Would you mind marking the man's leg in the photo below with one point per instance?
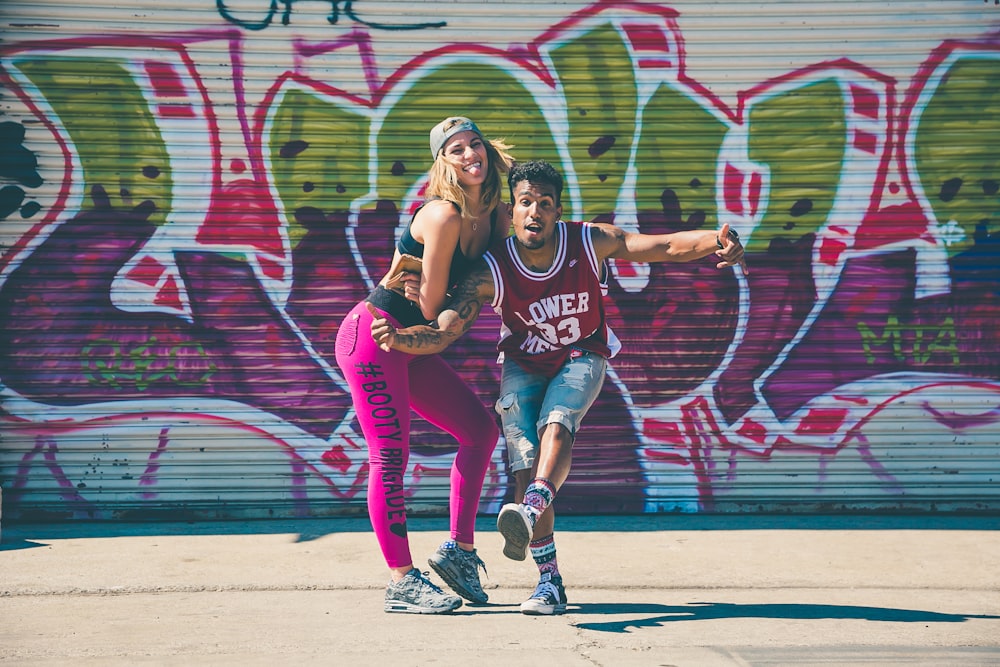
(567, 398)
(521, 396)
(531, 523)
(550, 470)
(548, 474)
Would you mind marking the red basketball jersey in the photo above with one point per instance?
(546, 316)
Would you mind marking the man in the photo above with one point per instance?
(547, 282)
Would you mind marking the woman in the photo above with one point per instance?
(463, 215)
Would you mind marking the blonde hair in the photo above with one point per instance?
(444, 181)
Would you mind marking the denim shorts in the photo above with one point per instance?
(529, 402)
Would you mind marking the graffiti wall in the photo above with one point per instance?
(192, 196)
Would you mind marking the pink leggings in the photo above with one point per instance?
(384, 387)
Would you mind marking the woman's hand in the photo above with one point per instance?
(411, 286)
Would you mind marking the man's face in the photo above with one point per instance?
(535, 213)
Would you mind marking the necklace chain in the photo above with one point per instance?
(475, 221)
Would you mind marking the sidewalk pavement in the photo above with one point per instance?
(656, 590)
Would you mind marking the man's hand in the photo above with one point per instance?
(731, 252)
(383, 332)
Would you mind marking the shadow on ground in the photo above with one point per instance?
(654, 615)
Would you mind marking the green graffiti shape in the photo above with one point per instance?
(957, 165)
(318, 152)
(111, 127)
(499, 104)
(678, 152)
(925, 341)
(597, 79)
(801, 136)
(109, 363)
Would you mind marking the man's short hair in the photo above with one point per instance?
(535, 171)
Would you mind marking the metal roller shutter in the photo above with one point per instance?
(193, 194)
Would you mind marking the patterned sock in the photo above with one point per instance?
(543, 551)
(538, 496)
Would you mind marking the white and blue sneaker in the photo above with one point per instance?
(549, 597)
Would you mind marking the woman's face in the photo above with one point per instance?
(466, 152)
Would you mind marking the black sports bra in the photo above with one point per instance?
(406, 312)
(460, 264)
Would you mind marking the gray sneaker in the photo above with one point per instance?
(516, 527)
(415, 594)
(460, 570)
(549, 597)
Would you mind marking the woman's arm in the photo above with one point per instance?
(438, 226)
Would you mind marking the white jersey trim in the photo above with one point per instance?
(557, 260)
(588, 248)
(498, 286)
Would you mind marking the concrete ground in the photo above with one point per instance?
(649, 590)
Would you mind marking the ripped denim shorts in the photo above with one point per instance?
(529, 402)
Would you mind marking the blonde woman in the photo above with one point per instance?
(463, 216)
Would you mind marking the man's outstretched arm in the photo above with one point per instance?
(462, 310)
(614, 242)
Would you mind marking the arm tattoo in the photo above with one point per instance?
(456, 319)
(417, 339)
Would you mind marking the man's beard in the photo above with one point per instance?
(539, 244)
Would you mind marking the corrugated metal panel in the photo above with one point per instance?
(194, 195)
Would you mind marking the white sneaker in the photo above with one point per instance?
(549, 597)
(515, 524)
